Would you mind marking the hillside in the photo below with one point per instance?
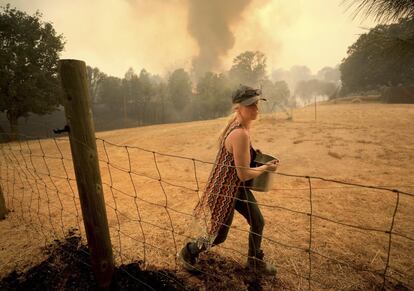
(369, 143)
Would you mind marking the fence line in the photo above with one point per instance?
(20, 172)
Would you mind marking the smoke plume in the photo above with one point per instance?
(210, 23)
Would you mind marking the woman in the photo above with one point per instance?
(227, 190)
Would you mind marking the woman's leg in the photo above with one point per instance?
(197, 246)
(247, 206)
(224, 229)
(191, 250)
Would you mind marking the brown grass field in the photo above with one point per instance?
(369, 144)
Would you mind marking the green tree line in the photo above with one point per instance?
(384, 56)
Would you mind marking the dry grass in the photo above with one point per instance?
(371, 144)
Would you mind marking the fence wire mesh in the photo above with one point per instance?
(320, 233)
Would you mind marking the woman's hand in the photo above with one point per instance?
(272, 165)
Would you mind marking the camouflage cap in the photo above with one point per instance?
(246, 95)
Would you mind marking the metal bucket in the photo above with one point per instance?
(262, 182)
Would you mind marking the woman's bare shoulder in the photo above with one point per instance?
(239, 134)
(238, 138)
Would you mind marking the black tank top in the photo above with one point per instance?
(253, 164)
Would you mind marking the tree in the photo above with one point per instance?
(111, 93)
(292, 76)
(146, 87)
(161, 98)
(179, 89)
(130, 86)
(213, 96)
(329, 74)
(276, 93)
(95, 77)
(128, 91)
(384, 10)
(249, 68)
(146, 91)
(306, 90)
(376, 59)
(29, 53)
(393, 40)
(300, 73)
(280, 74)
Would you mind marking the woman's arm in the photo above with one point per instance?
(238, 143)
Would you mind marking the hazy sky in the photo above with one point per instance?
(158, 35)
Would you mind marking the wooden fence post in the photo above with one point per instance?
(3, 209)
(85, 160)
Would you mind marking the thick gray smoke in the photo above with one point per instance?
(209, 23)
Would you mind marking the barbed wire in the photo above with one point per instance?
(22, 178)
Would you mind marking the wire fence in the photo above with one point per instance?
(325, 232)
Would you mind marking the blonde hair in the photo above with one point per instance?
(230, 120)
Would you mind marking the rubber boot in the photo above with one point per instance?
(257, 265)
(188, 258)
